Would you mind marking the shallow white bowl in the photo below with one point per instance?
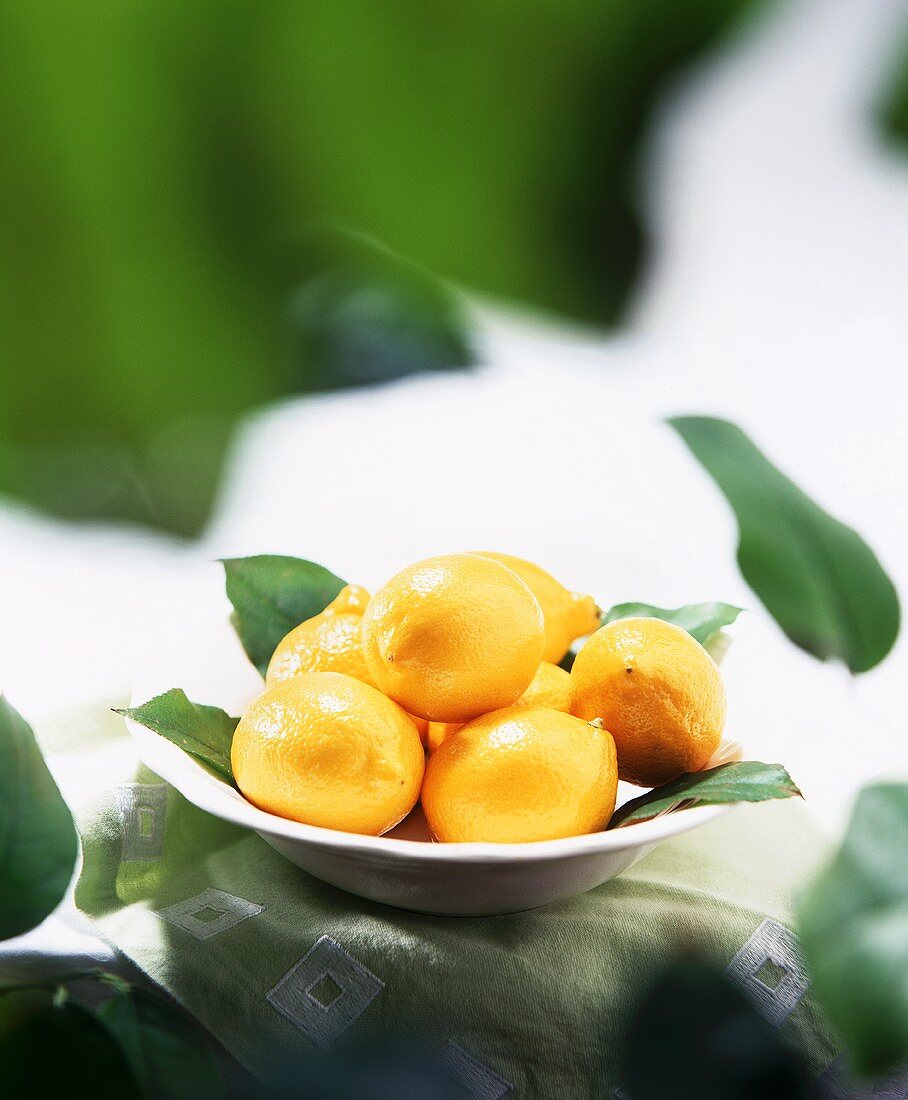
(404, 867)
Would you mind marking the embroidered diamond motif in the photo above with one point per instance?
(478, 1081)
(769, 974)
(210, 913)
(769, 970)
(325, 992)
(143, 811)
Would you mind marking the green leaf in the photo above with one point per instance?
(704, 621)
(63, 1050)
(165, 1049)
(738, 781)
(817, 577)
(697, 1037)
(701, 620)
(854, 931)
(204, 732)
(271, 594)
(366, 315)
(567, 661)
(38, 843)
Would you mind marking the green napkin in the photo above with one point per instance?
(532, 1004)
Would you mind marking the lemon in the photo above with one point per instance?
(438, 731)
(521, 774)
(328, 642)
(568, 615)
(550, 687)
(326, 749)
(453, 637)
(659, 693)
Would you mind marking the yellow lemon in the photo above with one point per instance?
(422, 728)
(438, 731)
(352, 599)
(452, 637)
(568, 615)
(328, 642)
(550, 687)
(658, 691)
(329, 750)
(521, 774)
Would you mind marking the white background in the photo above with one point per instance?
(777, 298)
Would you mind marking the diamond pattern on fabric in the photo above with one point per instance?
(210, 913)
(769, 970)
(299, 995)
(143, 811)
(479, 1082)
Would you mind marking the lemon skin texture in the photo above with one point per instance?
(438, 731)
(328, 642)
(328, 750)
(568, 615)
(550, 687)
(453, 637)
(659, 693)
(521, 774)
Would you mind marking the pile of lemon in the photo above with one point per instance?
(445, 687)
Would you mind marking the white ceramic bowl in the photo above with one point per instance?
(404, 867)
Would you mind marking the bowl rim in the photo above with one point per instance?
(208, 792)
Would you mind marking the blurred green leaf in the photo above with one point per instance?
(854, 931)
(63, 1051)
(817, 577)
(512, 163)
(38, 843)
(367, 316)
(701, 620)
(165, 1049)
(738, 781)
(893, 112)
(204, 732)
(393, 1067)
(163, 161)
(271, 594)
(17, 1004)
(696, 1037)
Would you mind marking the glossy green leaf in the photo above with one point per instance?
(166, 1051)
(204, 732)
(738, 781)
(38, 844)
(271, 594)
(702, 620)
(816, 576)
(367, 315)
(854, 931)
(63, 1051)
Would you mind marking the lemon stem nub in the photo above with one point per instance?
(598, 723)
